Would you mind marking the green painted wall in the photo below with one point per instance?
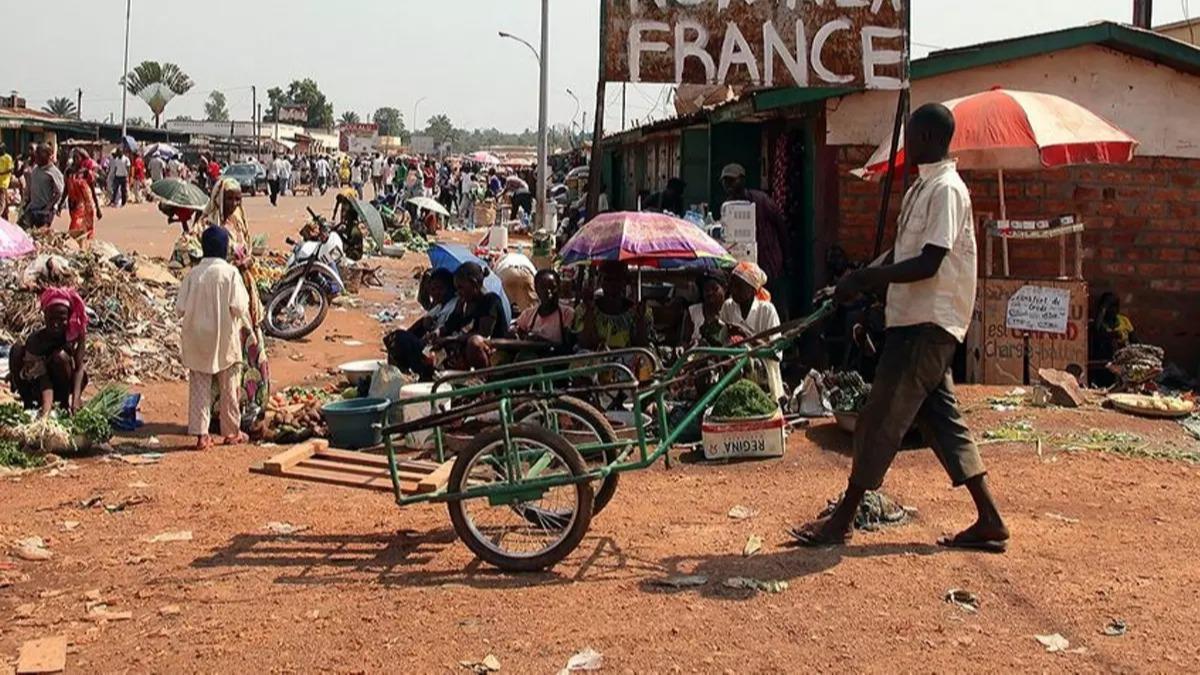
(729, 143)
(693, 165)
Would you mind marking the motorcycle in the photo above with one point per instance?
(298, 303)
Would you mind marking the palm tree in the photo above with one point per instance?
(156, 84)
(349, 117)
(61, 106)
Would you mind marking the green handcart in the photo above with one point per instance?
(522, 493)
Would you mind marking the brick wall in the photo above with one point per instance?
(1142, 241)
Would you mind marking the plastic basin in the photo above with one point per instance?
(350, 422)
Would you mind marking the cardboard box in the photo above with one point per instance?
(735, 439)
(739, 222)
(747, 251)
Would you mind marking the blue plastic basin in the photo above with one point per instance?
(350, 422)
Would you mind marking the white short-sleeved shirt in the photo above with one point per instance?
(937, 211)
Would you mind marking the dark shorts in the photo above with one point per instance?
(913, 385)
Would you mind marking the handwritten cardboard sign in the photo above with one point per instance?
(1039, 309)
(769, 43)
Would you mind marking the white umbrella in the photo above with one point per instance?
(429, 204)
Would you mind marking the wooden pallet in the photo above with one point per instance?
(314, 461)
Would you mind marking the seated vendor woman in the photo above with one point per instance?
(611, 321)
(476, 318)
(749, 312)
(48, 368)
(406, 347)
(703, 326)
(550, 320)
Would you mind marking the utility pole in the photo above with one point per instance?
(258, 130)
(125, 72)
(543, 101)
(79, 104)
(254, 117)
(623, 85)
(1143, 13)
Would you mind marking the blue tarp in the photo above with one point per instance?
(452, 256)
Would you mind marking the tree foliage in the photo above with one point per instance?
(349, 117)
(136, 122)
(147, 75)
(303, 92)
(441, 128)
(215, 109)
(390, 121)
(61, 106)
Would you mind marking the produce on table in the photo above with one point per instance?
(847, 391)
(744, 399)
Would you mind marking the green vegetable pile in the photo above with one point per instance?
(847, 391)
(61, 432)
(12, 455)
(744, 399)
(12, 415)
(413, 241)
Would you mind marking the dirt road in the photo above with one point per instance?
(366, 587)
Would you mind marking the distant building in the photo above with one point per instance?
(1185, 31)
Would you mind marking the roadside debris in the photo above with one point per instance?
(740, 512)
(588, 659)
(1115, 628)
(1053, 642)
(284, 528)
(753, 545)
(1058, 516)
(766, 586)
(182, 535)
(963, 599)
(877, 510)
(32, 549)
(489, 664)
(1063, 388)
(681, 581)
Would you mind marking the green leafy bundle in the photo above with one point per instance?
(744, 399)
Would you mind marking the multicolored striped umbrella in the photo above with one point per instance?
(643, 239)
(14, 242)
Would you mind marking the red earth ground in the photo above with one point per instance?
(368, 587)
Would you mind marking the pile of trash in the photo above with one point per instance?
(133, 333)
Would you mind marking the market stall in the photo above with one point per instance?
(1023, 323)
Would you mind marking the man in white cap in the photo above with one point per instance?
(771, 229)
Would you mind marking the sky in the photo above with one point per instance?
(444, 54)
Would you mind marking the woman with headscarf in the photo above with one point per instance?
(749, 312)
(214, 307)
(80, 196)
(225, 210)
(48, 368)
(702, 325)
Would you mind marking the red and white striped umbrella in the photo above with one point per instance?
(1004, 129)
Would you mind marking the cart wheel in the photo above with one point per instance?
(513, 531)
(575, 416)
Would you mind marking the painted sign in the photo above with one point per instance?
(996, 349)
(769, 43)
(293, 112)
(358, 139)
(1038, 308)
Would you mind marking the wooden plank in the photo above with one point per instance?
(377, 483)
(47, 655)
(358, 469)
(280, 462)
(436, 480)
(364, 459)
